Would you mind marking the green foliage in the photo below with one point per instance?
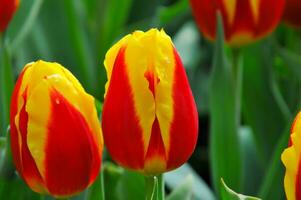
(246, 99)
(225, 151)
(228, 194)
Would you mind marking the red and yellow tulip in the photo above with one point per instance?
(56, 137)
(7, 10)
(291, 158)
(149, 119)
(245, 21)
(292, 14)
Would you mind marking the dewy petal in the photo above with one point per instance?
(56, 130)
(56, 118)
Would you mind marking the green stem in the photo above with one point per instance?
(102, 188)
(150, 187)
(160, 187)
(2, 142)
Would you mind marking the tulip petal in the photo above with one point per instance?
(291, 159)
(184, 127)
(122, 132)
(16, 140)
(255, 8)
(19, 119)
(62, 141)
(244, 21)
(230, 8)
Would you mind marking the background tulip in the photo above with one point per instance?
(149, 118)
(292, 14)
(55, 134)
(244, 21)
(291, 158)
(7, 9)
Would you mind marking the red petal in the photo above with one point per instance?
(72, 158)
(121, 129)
(184, 127)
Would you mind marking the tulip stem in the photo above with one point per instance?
(161, 188)
(150, 187)
(102, 188)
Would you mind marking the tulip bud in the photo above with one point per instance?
(292, 14)
(245, 21)
(149, 119)
(7, 9)
(291, 158)
(56, 138)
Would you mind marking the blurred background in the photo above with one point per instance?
(77, 34)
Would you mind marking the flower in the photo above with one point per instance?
(291, 14)
(244, 21)
(291, 158)
(149, 119)
(7, 10)
(56, 137)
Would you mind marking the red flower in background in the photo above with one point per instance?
(56, 138)
(7, 10)
(245, 21)
(149, 118)
(292, 13)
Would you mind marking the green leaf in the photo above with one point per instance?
(292, 60)
(263, 106)
(168, 14)
(96, 191)
(131, 186)
(23, 21)
(200, 189)
(6, 86)
(228, 194)
(225, 152)
(184, 191)
(16, 189)
(112, 176)
(252, 169)
(121, 184)
(98, 106)
(273, 180)
(83, 52)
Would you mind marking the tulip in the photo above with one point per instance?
(56, 138)
(245, 21)
(149, 119)
(7, 9)
(291, 158)
(292, 14)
